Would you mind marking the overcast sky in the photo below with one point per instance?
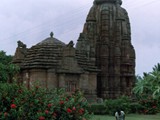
(31, 21)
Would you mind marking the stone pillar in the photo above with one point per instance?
(61, 80)
(92, 82)
(84, 82)
(51, 79)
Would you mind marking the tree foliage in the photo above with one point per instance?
(7, 69)
(149, 84)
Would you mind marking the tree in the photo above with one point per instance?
(149, 84)
(7, 69)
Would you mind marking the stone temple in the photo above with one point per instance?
(102, 64)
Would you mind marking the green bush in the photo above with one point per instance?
(8, 70)
(19, 103)
(112, 105)
(135, 107)
(98, 109)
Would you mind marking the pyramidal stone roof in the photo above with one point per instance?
(46, 54)
(51, 40)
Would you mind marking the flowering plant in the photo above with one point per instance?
(20, 103)
(150, 105)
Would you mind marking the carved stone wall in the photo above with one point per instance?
(107, 30)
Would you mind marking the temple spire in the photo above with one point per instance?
(106, 42)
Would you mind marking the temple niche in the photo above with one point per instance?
(107, 30)
(102, 64)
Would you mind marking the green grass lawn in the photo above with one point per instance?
(128, 117)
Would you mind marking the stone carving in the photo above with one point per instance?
(20, 51)
(21, 44)
(70, 44)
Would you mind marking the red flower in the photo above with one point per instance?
(49, 105)
(74, 108)
(81, 111)
(46, 111)
(67, 99)
(41, 118)
(13, 106)
(61, 102)
(69, 110)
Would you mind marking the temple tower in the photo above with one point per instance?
(106, 40)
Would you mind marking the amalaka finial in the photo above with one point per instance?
(51, 34)
(119, 2)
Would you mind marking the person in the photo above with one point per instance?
(120, 115)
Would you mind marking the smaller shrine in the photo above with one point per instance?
(53, 64)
